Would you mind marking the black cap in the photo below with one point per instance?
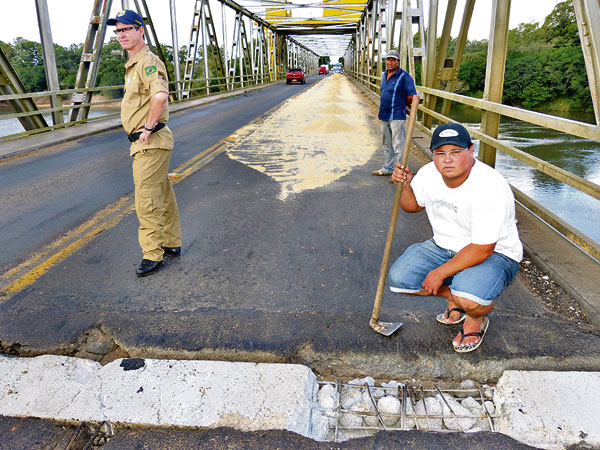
(450, 133)
(127, 16)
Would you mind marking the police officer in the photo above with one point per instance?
(144, 115)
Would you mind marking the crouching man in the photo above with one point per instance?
(475, 250)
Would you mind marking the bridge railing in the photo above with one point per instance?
(193, 89)
(574, 128)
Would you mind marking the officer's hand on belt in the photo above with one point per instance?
(145, 135)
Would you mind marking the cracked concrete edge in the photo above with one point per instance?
(205, 394)
(442, 367)
(349, 363)
(552, 410)
(19, 147)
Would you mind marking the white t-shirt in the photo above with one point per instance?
(479, 211)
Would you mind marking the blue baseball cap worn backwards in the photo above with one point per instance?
(127, 16)
(450, 133)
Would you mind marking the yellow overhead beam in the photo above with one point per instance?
(273, 13)
(335, 12)
(343, 10)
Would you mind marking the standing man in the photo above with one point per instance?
(144, 116)
(475, 250)
(397, 89)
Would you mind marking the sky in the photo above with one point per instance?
(69, 19)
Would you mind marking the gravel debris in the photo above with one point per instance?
(553, 297)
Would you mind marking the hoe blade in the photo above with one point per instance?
(385, 328)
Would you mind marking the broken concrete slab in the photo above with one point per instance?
(551, 410)
(244, 396)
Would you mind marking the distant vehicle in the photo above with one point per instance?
(323, 70)
(295, 75)
(337, 69)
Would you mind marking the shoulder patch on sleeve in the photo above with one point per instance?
(149, 70)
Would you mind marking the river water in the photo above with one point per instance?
(577, 155)
(13, 126)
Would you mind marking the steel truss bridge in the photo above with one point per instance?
(255, 43)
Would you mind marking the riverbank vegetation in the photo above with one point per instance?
(545, 69)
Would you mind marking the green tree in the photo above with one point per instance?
(111, 69)
(560, 27)
(26, 58)
(527, 37)
(476, 46)
(324, 60)
(26, 53)
(472, 71)
(525, 83)
(67, 64)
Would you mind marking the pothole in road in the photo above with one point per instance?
(98, 345)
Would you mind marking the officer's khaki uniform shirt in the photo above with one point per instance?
(145, 75)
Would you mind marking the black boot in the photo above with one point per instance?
(173, 252)
(147, 267)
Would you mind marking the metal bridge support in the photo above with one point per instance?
(494, 76)
(375, 35)
(281, 45)
(459, 52)
(405, 34)
(241, 58)
(151, 36)
(176, 66)
(383, 32)
(10, 84)
(210, 47)
(49, 59)
(429, 60)
(588, 22)
(190, 59)
(260, 54)
(92, 49)
(202, 25)
(409, 17)
(90, 58)
(446, 68)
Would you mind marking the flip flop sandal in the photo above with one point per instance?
(469, 348)
(443, 317)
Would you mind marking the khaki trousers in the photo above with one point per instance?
(155, 203)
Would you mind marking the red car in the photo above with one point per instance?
(295, 75)
(323, 70)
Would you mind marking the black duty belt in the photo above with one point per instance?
(135, 136)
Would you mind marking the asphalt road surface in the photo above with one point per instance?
(283, 233)
(46, 194)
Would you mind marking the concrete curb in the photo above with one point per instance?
(546, 409)
(23, 146)
(150, 392)
(551, 410)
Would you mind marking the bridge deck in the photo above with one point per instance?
(284, 229)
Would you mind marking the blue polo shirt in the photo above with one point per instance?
(392, 102)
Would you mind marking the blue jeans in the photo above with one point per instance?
(394, 133)
(481, 283)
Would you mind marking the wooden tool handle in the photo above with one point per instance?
(395, 209)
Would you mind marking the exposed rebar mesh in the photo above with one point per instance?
(359, 408)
